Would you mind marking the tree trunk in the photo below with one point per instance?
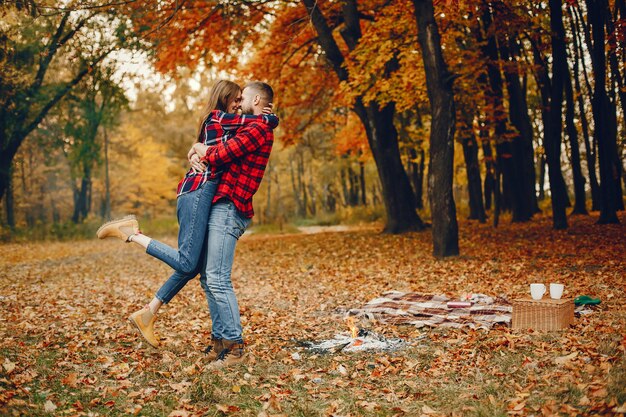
(490, 169)
(522, 145)
(440, 171)
(616, 76)
(604, 116)
(589, 151)
(295, 185)
(107, 182)
(302, 184)
(552, 138)
(497, 196)
(508, 154)
(378, 123)
(416, 170)
(362, 183)
(9, 203)
(572, 134)
(344, 188)
(353, 191)
(542, 177)
(267, 212)
(470, 152)
(7, 154)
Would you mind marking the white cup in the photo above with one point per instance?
(537, 291)
(556, 291)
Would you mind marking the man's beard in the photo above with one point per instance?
(247, 110)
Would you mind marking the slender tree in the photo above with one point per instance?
(553, 132)
(440, 169)
(605, 124)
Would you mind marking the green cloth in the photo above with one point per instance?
(586, 300)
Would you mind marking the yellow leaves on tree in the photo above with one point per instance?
(143, 179)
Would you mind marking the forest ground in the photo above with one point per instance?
(66, 348)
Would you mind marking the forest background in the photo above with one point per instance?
(100, 103)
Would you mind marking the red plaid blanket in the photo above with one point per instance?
(420, 310)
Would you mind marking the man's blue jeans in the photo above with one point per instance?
(226, 225)
(193, 210)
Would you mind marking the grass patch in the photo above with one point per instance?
(274, 229)
(617, 382)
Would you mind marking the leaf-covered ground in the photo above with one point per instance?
(66, 348)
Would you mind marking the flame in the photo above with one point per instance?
(353, 329)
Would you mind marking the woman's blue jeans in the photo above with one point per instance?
(193, 210)
(226, 225)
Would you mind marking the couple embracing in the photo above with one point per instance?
(214, 208)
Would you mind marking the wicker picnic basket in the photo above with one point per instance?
(543, 314)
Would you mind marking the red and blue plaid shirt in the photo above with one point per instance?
(246, 154)
(217, 128)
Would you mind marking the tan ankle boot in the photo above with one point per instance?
(121, 228)
(214, 348)
(143, 320)
(233, 353)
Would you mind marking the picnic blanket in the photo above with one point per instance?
(421, 310)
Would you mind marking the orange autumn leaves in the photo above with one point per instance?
(65, 347)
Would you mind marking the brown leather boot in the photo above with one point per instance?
(233, 353)
(143, 320)
(121, 228)
(214, 348)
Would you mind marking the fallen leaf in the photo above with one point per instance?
(179, 413)
(227, 409)
(49, 407)
(8, 366)
(70, 380)
(562, 360)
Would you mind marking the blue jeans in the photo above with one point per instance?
(226, 225)
(193, 211)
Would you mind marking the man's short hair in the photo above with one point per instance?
(262, 89)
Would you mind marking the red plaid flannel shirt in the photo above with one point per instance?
(247, 154)
(217, 128)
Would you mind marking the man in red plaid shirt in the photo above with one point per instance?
(243, 159)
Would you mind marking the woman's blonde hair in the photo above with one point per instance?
(222, 93)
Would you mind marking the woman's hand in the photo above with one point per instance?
(196, 164)
(268, 109)
(199, 149)
(195, 155)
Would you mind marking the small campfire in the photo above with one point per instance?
(356, 340)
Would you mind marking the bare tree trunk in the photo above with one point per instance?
(490, 169)
(542, 177)
(362, 182)
(439, 86)
(300, 208)
(9, 203)
(604, 116)
(552, 137)
(470, 152)
(107, 181)
(524, 199)
(268, 202)
(572, 133)
(589, 151)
